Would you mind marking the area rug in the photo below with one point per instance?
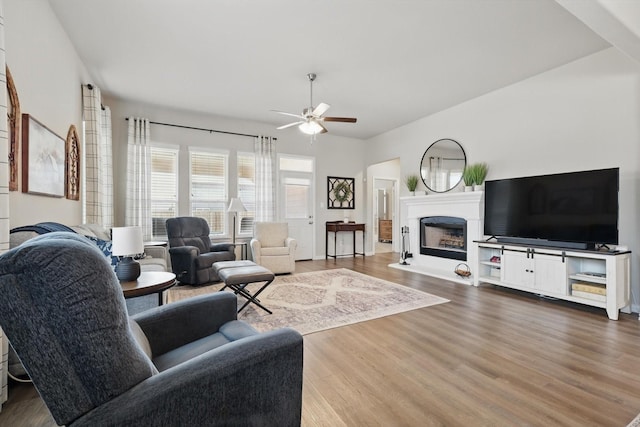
(316, 301)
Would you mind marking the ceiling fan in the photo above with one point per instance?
(310, 121)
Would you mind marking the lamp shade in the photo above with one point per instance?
(126, 241)
(310, 127)
(236, 205)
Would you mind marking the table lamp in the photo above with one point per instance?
(126, 243)
(235, 206)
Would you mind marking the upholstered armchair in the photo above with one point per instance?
(272, 248)
(186, 363)
(192, 253)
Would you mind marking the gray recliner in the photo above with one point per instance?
(190, 362)
(191, 250)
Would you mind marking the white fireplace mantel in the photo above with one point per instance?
(467, 205)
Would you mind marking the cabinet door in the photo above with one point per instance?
(516, 269)
(550, 274)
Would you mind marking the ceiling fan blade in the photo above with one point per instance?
(339, 119)
(324, 129)
(288, 114)
(321, 109)
(290, 125)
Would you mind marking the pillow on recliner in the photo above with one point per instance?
(104, 246)
(65, 315)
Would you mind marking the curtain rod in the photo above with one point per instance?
(202, 129)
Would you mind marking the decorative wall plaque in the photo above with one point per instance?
(13, 119)
(340, 193)
(72, 164)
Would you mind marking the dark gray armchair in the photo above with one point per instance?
(192, 253)
(185, 363)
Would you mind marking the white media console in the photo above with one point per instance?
(596, 278)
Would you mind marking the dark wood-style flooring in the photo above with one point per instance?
(490, 357)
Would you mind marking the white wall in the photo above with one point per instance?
(335, 156)
(48, 76)
(584, 115)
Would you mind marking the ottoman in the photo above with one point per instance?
(236, 275)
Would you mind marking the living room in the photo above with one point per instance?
(580, 115)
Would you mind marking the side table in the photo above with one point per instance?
(149, 282)
(243, 249)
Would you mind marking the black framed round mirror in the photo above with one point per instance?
(442, 165)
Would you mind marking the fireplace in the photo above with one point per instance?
(466, 206)
(444, 237)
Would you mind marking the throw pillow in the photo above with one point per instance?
(105, 248)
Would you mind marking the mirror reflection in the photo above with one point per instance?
(442, 165)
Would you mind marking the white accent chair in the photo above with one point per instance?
(272, 247)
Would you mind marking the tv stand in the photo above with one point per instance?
(591, 277)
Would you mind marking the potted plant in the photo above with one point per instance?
(411, 182)
(479, 175)
(467, 177)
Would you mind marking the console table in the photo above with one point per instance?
(337, 226)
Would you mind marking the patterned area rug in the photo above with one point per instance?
(312, 302)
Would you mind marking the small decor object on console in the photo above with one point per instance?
(127, 242)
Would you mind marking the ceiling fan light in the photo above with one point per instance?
(310, 127)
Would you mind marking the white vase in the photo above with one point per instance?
(477, 187)
(413, 193)
(468, 188)
(346, 220)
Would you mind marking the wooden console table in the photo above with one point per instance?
(337, 226)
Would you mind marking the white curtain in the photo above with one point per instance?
(98, 189)
(265, 153)
(138, 205)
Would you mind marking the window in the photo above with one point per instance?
(164, 188)
(247, 191)
(209, 188)
(296, 164)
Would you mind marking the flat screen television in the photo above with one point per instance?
(575, 210)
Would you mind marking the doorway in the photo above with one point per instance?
(296, 198)
(383, 214)
(384, 206)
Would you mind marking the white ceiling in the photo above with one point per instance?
(387, 62)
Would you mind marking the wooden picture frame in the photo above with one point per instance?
(72, 164)
(340, 193)
(43, 159)
(13, 126)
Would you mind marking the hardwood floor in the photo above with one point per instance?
(490, 357)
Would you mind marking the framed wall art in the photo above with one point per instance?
(43, 159)
(340, 193)
(72, 164)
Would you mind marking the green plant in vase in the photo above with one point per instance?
(467, 177)
(411, 181)
(480, 171)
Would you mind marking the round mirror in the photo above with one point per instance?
(442, 165)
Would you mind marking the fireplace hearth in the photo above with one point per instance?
(444, 237)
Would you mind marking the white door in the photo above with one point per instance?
(296, 198)
(550, 274)
(516, 269)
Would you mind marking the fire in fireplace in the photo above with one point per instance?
(444, 236)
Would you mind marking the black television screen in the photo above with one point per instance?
(579, 207)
